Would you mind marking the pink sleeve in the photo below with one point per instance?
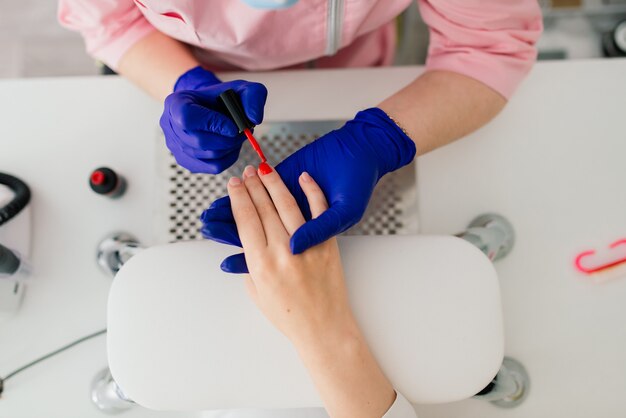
(109, 27)
(492, 41)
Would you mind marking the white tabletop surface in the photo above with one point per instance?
(553, 162)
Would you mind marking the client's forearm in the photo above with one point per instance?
(346, 374)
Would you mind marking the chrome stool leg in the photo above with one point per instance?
(115, 250)
(492, 234)
(510, 386)
(495, 237)
(107, 396)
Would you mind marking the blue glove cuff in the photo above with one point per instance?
(392, 142)
(196, 78)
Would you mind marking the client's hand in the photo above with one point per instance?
(305, 296)
(301, 295)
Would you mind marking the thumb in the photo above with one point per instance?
(333, 221)
(235, 264)
(222, 232)
(188, 111)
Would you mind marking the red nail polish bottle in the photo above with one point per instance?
(107, 182)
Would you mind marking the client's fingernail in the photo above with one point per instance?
(234, 181)
(305, 177)
(264, 168)
(249, 171)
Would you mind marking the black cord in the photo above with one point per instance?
(19, 202)
(47, 356)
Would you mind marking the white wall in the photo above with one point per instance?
(33, 44)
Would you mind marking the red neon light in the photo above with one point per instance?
(618, 243)
(602, 267)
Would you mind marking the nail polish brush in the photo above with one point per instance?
(231, 102)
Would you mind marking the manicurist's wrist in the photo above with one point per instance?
(387, 138)
(195, 78)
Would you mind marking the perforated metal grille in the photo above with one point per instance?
(392, 209)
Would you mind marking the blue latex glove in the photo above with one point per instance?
(346, 163)
(202, 139)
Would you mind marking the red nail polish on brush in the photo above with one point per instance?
(233, 105)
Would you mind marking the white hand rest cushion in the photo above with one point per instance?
(183, 335)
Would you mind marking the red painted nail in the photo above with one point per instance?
(264, 168)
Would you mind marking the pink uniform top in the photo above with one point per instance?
(489, 40)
